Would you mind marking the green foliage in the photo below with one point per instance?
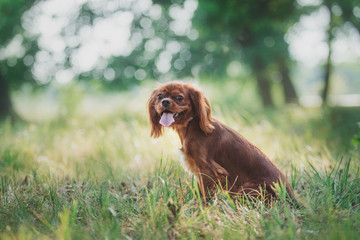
(14, 71)
(257, 29)
(239, 33)
(248, 31)
(10, 22)
(348, 13)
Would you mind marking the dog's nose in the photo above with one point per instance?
(165, 102)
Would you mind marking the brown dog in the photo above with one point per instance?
(215, 153)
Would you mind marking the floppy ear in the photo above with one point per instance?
(156, 127)
(202, 110)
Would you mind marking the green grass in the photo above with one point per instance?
(86, 175)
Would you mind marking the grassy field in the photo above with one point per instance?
(88, 169)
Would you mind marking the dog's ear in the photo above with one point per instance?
(156, 127)
(202, 110)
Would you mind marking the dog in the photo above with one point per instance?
(216, 154)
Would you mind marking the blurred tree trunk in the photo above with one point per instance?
(288, 86)
(328, 65)
(5, 101)
(264, 84)
(328, 69)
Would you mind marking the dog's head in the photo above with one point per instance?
(175, 104)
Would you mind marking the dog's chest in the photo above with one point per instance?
(189, 162)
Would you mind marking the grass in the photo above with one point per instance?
(85, 175)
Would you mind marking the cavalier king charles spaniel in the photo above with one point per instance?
(215, 153)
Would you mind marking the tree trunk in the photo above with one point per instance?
(264, 84)
(6, 108)
(328, 65)
(288, 87)
(328, 68)
(5, 101)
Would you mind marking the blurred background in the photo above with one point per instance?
(76, 157)
(270, 53)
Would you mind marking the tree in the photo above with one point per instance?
(330, 36)
(151, 40)
(250, 31)
(10, 25)
(340, 12)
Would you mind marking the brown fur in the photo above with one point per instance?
(215, 153)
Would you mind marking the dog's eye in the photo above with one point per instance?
(160, 96)
(180, 98)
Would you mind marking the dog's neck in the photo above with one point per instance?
(182, 130)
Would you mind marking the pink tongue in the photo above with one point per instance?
(167, 119)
